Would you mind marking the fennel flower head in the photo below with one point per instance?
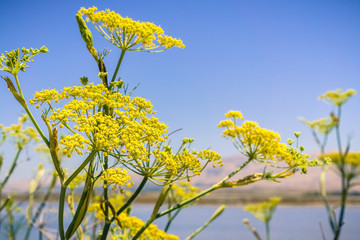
(130, 225)
(20, 134)
(182, 191)
(131, 134)
(323, 125)
(337, 97)
(128, 34)
(262, 144)
(12, 62)
(264, 211)
(351, 162)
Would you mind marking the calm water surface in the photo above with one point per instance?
(288, 223)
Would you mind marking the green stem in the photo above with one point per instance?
(187, 201)
(36, 125)
(345, 188)
(80, 168)
(18, 86)
(267, 227)
(11, 231)
(61, 212)
(118, 65)
(131, 199)
(325, 200)
(213, 217)
(210, 189)
(41, 207)
(106, 197)
(13, 165)
(147, 224)
(171, 219)
(83, 204)
(338, 133)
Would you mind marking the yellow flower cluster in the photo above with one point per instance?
(234, 114)
(337, 97)
(21, 134)
(323, 125)
(127, 131)
(117, 177)
(265, 210)
(295, 158)
(352, 158)
(182, 191)
(115, 200)
(253, 141)
(129, 126)
(128, 34)
(131, 225)
(74, 143)
(263, 144)
(211, 156)
(186, 161)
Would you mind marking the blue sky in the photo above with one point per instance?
(268, 59)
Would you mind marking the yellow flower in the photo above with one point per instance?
(234, 114)
(131, 225)
(263, 211)
(19, 133)
(323, 125)
(130, 128)
(337, 97)
(262, 144)
(117, 177)
(128, 34)
(182, 191)
(352, 159)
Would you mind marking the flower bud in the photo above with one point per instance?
(84, 80)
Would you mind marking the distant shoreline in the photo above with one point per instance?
(239, 199)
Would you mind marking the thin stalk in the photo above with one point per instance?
(42, 205)
(187, 201)
(18, 86)
(83, 203)
(338, 133)
(213, 217)
(11, 230)
(171, 219)
(13, 165)
(324, 197)
(118, 64)
(345, 188)
(61, 212)
(36, 125)
(131, 199)
(106, 197)
(267, 227)
(210, 189)
(80, 168)
(252, 229)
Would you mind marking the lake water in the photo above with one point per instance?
(288, 223)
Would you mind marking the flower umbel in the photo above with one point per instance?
(117, 177)
(264, 211)
(337, 97)
(263, 145)
(12, 62)
(128, 34)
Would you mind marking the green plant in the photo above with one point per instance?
(345, 163)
